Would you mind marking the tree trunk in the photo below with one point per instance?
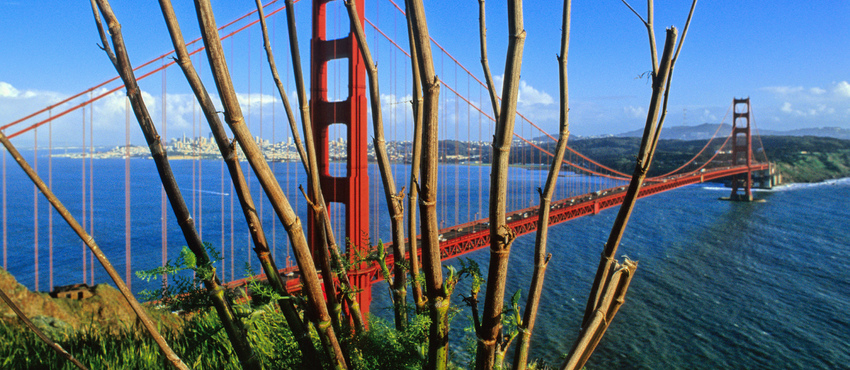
(541, 259)
(121, 61)
(439, 294)
(501, 237)
(393, 197)
(485, 65)
(354, 307)
(641, 167)
(88, 240)
(318, 311)
(416, 159)
(613, 296)
(320, 208)
(228, 152)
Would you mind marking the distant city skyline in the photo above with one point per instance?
(789, 59)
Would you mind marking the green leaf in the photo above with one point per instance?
(516, 297)
(188, 257)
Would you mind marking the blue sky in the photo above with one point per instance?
(791, 58)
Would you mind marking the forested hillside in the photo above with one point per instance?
(800, 159)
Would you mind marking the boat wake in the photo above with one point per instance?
(211, 192)
(788, 187)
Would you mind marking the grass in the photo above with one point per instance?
(199, 339)
(203, 344)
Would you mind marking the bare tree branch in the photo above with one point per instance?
(290, 116)
(121, 61)
(61, 351)
(438, 291)
(416, 159)
(318, 311)
(491, 88)
(501, 237)
(541, 258)
(299, 330)
(393, 197)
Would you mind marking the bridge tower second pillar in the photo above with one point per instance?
(352, 189)
(742, 150)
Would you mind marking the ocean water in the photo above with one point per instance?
(718, 285)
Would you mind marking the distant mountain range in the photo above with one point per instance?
(706, 130)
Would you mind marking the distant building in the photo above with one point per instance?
(76, 291)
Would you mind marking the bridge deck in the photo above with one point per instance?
(461, 239)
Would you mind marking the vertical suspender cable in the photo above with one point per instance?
(274, 224)
(83, 191)
(291, 171)
(5, 226)
(232, 190)
(469, 139)
(573, 180)
(262, 150)
(127, 203)
(50, 185)
(194, 159)
(91, 189)
(523, 161)
(232, 274)
(35, 206)
(457, 154)
(442, 192)
(162, 197)
(248, 173)
(221, 219)
(198, 141)
(480, 159)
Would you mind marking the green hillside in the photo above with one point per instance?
(799, 159)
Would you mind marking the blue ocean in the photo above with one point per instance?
(719, 284)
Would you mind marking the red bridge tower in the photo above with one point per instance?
(742, 150)
(352, 190)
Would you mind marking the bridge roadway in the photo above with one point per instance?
(461, 239)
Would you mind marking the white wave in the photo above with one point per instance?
(787, 187)
(211, 192)
(794, 186)
(726, 189)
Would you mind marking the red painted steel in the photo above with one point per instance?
(353, 189)
(460, 240)
(742, 152)
(472, 236)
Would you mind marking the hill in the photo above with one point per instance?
(706, 130)
(799, 159)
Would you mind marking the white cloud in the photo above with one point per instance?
(531, 96)
(784, 90)
(16, 104)
(254, 100)
(528, 95)
(634, 112)
(807, 106)
(842, 89)
(708, 116)
(7, 90)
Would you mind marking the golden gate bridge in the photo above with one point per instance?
(339, 110)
